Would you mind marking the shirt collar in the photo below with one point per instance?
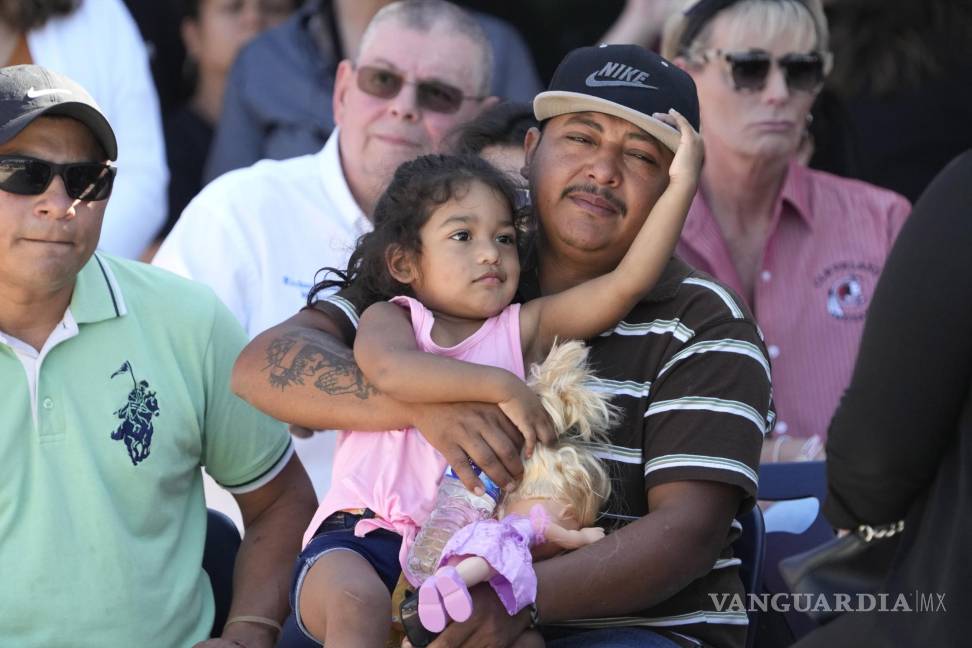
(337, 183)
(794, 193)
(668, 284)
(97, 296)
(666, 288)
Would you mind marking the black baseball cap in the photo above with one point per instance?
(31, 91)
(626, 81)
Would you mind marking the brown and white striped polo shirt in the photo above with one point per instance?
(689, 370)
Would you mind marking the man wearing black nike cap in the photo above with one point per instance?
(111, 402)
(686, 367)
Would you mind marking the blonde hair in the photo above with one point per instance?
(569, 472)
(769, 17)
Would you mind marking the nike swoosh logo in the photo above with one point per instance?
(593, 82)
(33, 94)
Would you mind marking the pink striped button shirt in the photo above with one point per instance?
(827, 245)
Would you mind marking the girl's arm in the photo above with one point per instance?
(388, 356)
(594, 306)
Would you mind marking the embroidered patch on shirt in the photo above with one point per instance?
(136, 417)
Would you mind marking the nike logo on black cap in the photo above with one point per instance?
(619, 74)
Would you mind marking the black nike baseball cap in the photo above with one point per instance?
(626, 81)
(31, 91)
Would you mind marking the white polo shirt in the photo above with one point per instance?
(258, 236)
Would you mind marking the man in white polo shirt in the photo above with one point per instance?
(258, 236)
(115, 391)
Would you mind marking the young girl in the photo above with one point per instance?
(444, 252)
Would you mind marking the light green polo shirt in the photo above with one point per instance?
(102, 436)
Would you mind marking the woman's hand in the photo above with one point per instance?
(687, 163)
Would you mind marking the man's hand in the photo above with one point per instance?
(490, 625)
(526, 412)
(473, 431)
(242, 635)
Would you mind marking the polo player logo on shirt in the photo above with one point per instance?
(136, 416)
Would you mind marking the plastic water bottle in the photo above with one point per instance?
(455, 507)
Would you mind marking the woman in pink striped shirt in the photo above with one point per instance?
(804, 248)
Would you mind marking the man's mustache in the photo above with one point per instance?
(600, 192)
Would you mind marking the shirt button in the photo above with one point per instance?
(774, 351)
(48, 403)
(781, 427)
(766, 275)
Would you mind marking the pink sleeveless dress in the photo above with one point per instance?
(396, 473)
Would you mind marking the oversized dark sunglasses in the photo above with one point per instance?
(431, 95)
(82, 180)
(803, 72)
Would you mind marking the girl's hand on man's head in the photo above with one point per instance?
(687, 164)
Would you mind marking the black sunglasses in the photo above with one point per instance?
(803, 72)
(431, 95)
(30, 177)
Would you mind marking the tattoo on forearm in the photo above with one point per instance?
(297, 356)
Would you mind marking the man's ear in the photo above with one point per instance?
(686, 65)
(401, 264)
(488, 103)
(342, 83)
(530, 144)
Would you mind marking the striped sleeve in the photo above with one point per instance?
(710, 409)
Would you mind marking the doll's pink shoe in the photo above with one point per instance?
(430, 610)
(455, 594)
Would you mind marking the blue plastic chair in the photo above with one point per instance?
(219, 560)
(750, 548)
(780, 482)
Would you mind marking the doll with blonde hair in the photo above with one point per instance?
(550, 510)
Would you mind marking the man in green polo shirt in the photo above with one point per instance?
(113, 393)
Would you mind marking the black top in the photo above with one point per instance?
(187, 140)
(899, 141)
(900, 444)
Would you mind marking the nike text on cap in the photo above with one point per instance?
(31, 91)
(625, 81)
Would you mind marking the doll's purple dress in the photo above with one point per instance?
(505, 544)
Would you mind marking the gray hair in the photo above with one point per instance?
(426, 15)
(769, 17)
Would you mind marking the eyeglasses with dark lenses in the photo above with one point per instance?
(30, 177)
(803, 72)
(431, 95)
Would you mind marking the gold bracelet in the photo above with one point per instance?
(249, 618)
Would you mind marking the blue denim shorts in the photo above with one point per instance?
(380, 548)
